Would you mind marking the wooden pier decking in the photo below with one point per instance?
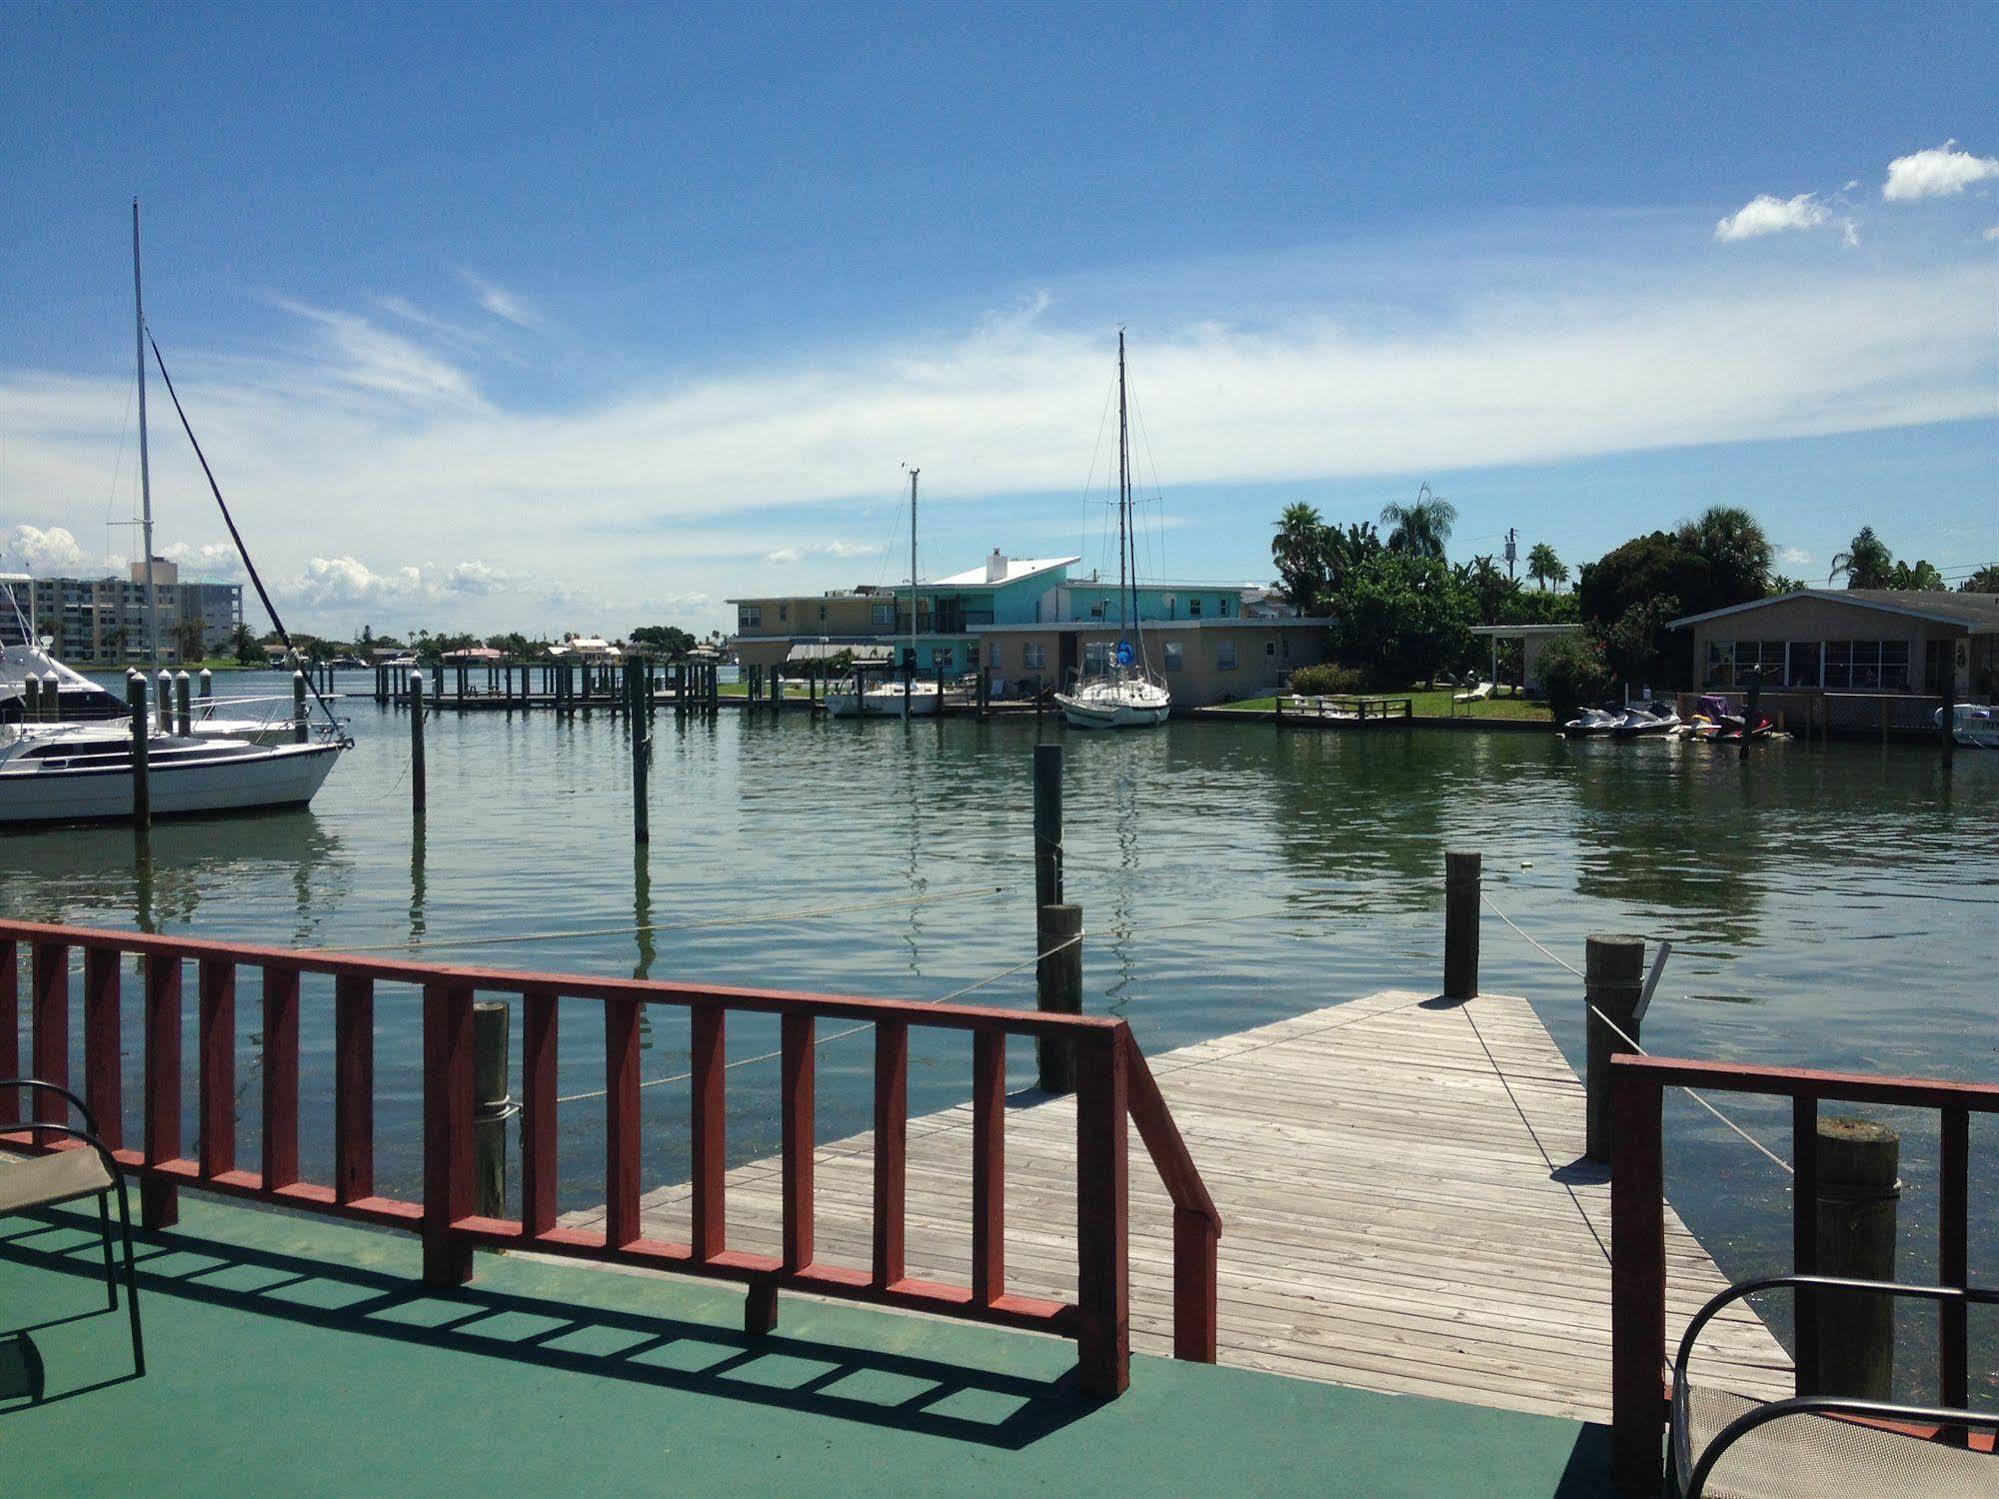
(1404, 1202)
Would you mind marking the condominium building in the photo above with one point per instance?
(102, 621)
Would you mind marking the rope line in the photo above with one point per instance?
(1776, 1160)
(949, 893)
(767, 1056)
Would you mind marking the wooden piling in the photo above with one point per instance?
(142, 735)
(1947, 731)
(636, 720)
(1462, 873)
(491, 1105)
(1058, 989)
(183, 707)
(163, 709)
(1047, 825)
(301, 722)
(1858, 1198)
(1613, 980)
(31, 698)
(418, 795)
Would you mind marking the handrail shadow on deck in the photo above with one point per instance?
(1044, 1406)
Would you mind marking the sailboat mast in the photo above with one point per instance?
(145, 467)
(912, 566)
(1123, 484)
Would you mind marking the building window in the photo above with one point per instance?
(783, 612)
(1033, 656)
(884, 616)
(749, 616)
(1223, 605)
(1867, 665)
(943, 657)
(1269, 647)
(1801, 669)
(822, 614)
(991, 651)
(1225, 655)
(1174, 656)
(1096, 658)
(1194, 606)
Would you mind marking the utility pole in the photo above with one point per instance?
(1512, 549)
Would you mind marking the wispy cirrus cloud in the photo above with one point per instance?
(1938, 172)
(373, 442)
(502, 303)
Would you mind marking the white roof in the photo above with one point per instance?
(1016, 569)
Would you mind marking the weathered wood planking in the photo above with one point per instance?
(1397, 1178)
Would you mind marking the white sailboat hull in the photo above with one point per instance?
(885, 702)
(1137, 705)
(282, 776)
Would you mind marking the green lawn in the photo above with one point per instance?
(1436, 703)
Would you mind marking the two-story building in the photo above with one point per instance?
(1028, 625)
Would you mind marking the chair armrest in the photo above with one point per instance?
(81, 1107)
(1681, 1442)
(1694, 1484)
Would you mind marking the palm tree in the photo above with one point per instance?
(1867, 562)
(1299, 552)
(1735, 548)
(1422, 526)
(1544, 567)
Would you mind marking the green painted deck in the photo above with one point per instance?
(299, 1356)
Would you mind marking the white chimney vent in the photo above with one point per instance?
(996, 567)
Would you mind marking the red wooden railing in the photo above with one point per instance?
(1639, 1354)
(1113, 1083)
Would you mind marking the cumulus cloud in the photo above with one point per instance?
(215, 560)
(345, 583)
(1992, 233)
(47, 553)
(1939, 172)
(1795, 557)
(800, 552)
(1764, 214)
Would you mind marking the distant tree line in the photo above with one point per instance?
(1401, 613)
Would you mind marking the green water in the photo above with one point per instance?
(1831, 908)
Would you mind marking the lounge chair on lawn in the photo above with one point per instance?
(1727, 1446)
(85, 1169)
(1478, 694)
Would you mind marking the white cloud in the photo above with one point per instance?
(1795, 557)
(1764, 214)
(216, 560)
(1939, 172)
(1992, 233)
(373, 444)
(501, 303)
(49, 553)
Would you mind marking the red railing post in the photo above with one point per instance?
(891, 1147)
(447, 1132)
(707, 1030)
(988, 1166)
(1195, 1244)
(1637, 1280)
(102, 1088)
(1953, 1250)
(353, 1088)
(621, 1121)
(538, 1106)
(217, 1025)
(280, 1113)
(51, 1032)
(1103, 1267)
(799, 1129)
(10, 1029)
(159, 1201)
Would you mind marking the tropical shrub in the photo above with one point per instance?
(1330, 679)
(1574, 673)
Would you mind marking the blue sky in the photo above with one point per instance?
(574, 316)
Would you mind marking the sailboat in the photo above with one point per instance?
(1126, 695)
(76, 761)
(913, 698)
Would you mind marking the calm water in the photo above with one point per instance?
(1829, 908)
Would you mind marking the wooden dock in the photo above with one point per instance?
(1404, 1203)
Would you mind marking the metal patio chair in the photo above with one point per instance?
(1728, 1446)
(67, 1175)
